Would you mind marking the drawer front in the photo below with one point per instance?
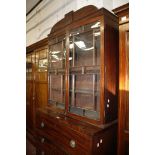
(46, 147)
(42, 152)
(70, 141)
(48, 152)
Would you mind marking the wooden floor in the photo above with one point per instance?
(30, 149)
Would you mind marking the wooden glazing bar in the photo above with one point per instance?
(49, 86)
(67, 73)
(62, 87)
(62, 75)
(87, 69)
(88, 92)
(82, 32)
(62, 55)
(94, 51)
(73, 90)
(73, 76)
(49, 74)
(57, 71)
(58, 89)
(94, 89)
(94, 76)
(73, 53)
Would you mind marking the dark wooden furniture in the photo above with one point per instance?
(123, 130)
(81, 114)
(36, 87)
(36, 80)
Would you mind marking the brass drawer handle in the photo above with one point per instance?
(72, 144)
(42, 124)
(42, 140)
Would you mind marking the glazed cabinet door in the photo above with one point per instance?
(84, 71)
(56, 72)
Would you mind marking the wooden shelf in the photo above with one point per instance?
(56, 71)
(58, 89)
(90, 92)
(85, 70)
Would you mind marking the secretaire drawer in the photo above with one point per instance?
(64, 137)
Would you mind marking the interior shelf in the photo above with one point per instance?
(56, 71)
(85, 70)
(76, 70)
(58, 89)
(89, 92)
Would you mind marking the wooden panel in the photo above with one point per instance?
(105, 143)
(30, 91)
(124, 90)
(30, 148)
(29, 102)
(41, 90)
(41, 77)
(123, 128)
(111, 71)
(86, 144)
(36, 82)
(41, 94)
(73, 16)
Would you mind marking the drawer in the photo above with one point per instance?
(68, 140)
(46, 147)
(42, 152)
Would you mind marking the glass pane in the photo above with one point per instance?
(84, 78)
(28, 58)
(57, 90)
(43, 64)
(37, 60)
(85, 45)
(41, 60)
(29, 67)
(84, 94)
(43, 54)
(57, 55)
(33, 57)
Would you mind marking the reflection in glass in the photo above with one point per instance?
(84, 78)
(43, 64)
(57, 55)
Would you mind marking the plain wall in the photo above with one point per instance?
(40, 21)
